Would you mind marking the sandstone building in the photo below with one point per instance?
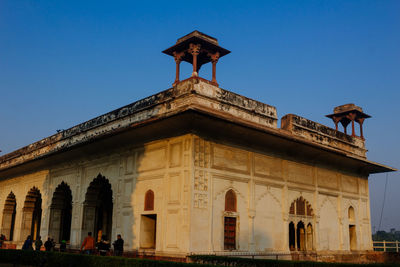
(195, 169)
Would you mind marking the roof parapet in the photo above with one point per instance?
(321, 134)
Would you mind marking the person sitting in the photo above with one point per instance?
(63, 246)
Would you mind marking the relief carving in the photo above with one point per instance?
(201, 180)
(201, 153)
(200, 200)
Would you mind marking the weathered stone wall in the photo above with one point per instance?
(323, 135)
(265, 186)
(163, 166)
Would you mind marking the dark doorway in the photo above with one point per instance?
(9, 211)
(292, 238)
(61, 213)
(229, 233)
(98, 207)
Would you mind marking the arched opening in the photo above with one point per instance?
(9, 211)
(352, 229)
(292, 237)
(351, 214)
(310, 245)
(230, 201)
(149, 200)
(300, 236)
(148, 226)
(32, 214)
(97, 210)
(230, 221)
(61, 213)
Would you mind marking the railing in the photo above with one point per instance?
(387, 246)
(269, 255)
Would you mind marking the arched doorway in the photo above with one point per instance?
(9, 211)
(98, 206)
(230, 220)
(301, 238)
(148, 227)
(301, 217)
(352, 229)
(310, 244)
(61, 213)
(292, 236)
(32, 214)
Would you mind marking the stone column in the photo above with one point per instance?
(317, 232)
(194, 49)
(361, 121)
(76, 224)
(252, 245)
(178, 60)
(351, 117)
(336, 120)
(295, 236)
(18, 223)
(285, 219)
(214, 61)
(341, 243)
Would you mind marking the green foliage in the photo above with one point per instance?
(388, 236)
(45, 259)
(246, 262)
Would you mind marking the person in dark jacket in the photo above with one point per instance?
(27, 244)
(103, 246)
(118, 246)
(48, 245)
(38, 243)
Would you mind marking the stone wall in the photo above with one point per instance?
(265, 185)
(162, 166)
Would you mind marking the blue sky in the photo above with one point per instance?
(64, 62)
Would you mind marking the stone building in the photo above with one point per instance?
(195, 169)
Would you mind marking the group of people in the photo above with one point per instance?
(89, 246)
(103, 246)
(49, 245)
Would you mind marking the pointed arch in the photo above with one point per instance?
(230, 201)
(351, 214)
(32, 214)
(301, 214)
(300, 206)
(61, 213)
(352, 228)
(9, 212)
(98, 208)
(149, 200)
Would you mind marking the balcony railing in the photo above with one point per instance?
(387, 246)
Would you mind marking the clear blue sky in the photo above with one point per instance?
(64, 62)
